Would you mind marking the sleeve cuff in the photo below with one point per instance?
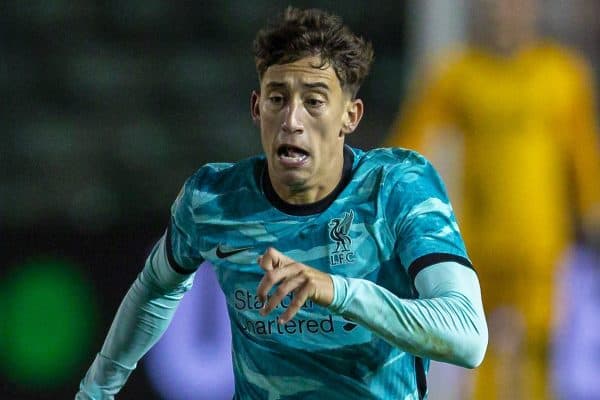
(340, 293)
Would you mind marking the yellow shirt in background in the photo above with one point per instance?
(530, 157)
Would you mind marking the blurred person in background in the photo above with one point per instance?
(510, 120)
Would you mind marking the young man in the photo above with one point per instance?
(344, 271)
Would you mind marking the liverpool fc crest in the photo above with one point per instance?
(339, 229)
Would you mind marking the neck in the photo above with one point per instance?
(308, 192)
(298, 200)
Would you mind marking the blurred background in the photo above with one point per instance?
(108, 106)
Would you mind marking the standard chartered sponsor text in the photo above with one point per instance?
(245, 300)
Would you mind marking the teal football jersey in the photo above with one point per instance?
(388, 218)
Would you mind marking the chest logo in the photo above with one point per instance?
(338, 233)
(224, 253)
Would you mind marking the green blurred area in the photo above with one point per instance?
(49, 314)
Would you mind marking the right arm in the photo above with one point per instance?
(142, 318)
(150, 303)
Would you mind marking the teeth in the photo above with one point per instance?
(292, 153)
(294, 157)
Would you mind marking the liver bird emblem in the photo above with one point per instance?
(338, 231)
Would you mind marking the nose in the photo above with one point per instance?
(292, 121)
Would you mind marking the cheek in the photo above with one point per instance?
(331, 129)
(328, 141)
(268, 125)
(264, 136)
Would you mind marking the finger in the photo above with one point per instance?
(271, 262)
(272, 277)
(290, 284)
(272, 259)
(299, 299)
(266, 283)
(269, 259)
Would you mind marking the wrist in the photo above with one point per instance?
(340, 290)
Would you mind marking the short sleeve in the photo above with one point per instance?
(421, 217)
(182, 242)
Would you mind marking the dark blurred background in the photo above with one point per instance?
(107, 107)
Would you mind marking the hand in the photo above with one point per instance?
(291, 276)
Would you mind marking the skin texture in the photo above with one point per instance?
(291, 276)
(304, 106)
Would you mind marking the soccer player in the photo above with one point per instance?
(344, 271)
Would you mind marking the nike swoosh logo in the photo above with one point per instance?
(222, 253)
(348, 326)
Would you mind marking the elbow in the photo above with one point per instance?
(465, 351)
(475, 359)
(474, 351)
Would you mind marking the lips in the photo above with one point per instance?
(292, 155)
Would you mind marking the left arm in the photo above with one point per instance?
(446, 323)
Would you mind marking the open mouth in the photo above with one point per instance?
(292, 154)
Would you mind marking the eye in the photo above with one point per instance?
(314, 102)
(276, 99)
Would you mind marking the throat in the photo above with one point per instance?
(302, 194)
(302, 200)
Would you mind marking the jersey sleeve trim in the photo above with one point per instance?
(171, 258)
(421, 377)
(434, 258)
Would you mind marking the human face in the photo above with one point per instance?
(304, 116)
(507, 25)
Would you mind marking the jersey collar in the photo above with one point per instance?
(312, 208)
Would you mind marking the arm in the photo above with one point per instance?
(143, 316)
(446, 323)
(149, 305)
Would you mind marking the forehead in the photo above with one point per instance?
(306, 70)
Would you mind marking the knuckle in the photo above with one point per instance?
(280, 292)
(270, 276)
(307, 277)
(297, 303)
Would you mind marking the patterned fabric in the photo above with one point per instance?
(392, 219)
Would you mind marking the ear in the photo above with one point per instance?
(352, 117)
(255, 107)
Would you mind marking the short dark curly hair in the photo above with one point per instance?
(296, 34)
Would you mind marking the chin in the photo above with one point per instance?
(293, 179)
(290, 177)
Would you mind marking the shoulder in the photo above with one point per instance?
(401, 176)
(560, 62)
(217, 179)
(555, 52)
(393, 163)
(445, 70)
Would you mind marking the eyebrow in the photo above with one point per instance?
(315, 85)
(276, 85)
